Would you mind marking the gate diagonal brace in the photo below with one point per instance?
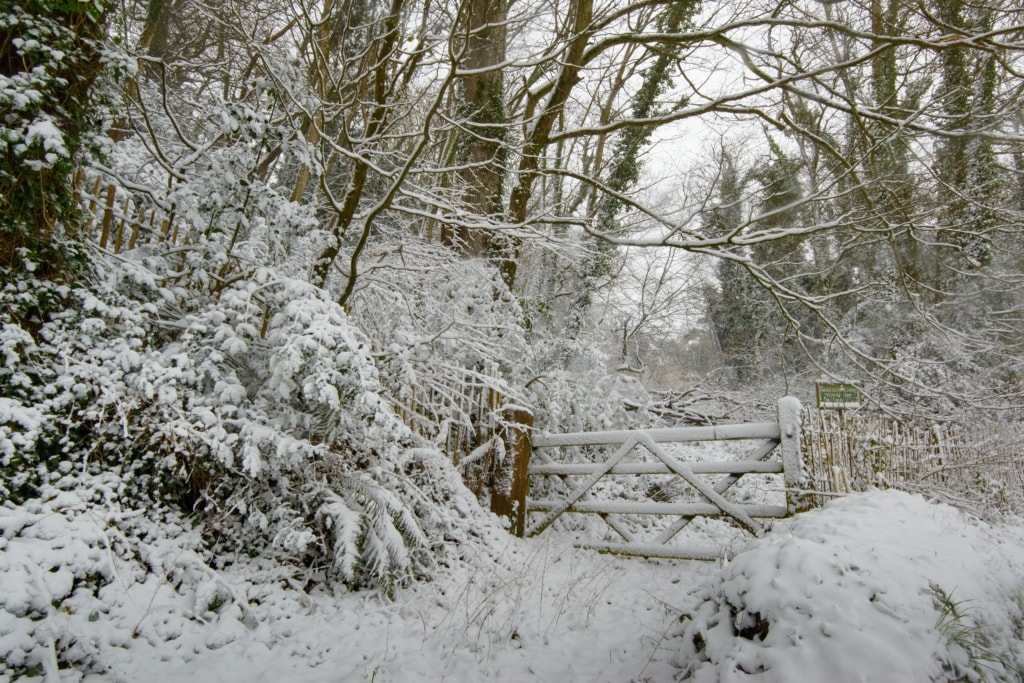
(612, 520)
(721, 486)
(576, 494)
(615, 522)
(742, 518)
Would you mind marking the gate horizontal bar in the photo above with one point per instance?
(757, 430)
(648, 508)
(654, 550)
(735, 467)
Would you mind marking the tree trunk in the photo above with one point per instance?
(582, 12)
(481, 145)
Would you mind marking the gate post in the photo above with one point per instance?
(792, 456)
(511, 481)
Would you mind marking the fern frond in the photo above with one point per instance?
(344, 525)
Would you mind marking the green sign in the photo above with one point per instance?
(838, 395)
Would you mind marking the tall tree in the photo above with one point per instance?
(481, 146)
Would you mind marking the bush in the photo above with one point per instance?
(260, 410)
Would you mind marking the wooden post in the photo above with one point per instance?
(511, 483)
(792, 457)
(77, 185)
(119, 235)
(136, 227)
(94, 196)
(108, 216)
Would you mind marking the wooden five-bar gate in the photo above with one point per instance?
(778, 452)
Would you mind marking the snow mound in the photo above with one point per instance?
(881, 586)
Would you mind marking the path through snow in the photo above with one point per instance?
(544, 612)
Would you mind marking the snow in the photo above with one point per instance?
(880, 586)
(46, 133)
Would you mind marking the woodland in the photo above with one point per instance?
(277, 269)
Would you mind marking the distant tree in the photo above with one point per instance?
(755, 330)
(736, 306)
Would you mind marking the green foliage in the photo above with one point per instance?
(50, 57)
(67, 360)
(973, 656)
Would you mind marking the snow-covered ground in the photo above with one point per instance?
(881, 586)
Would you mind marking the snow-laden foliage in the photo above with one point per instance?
(260, 408)
(68, 360)
(50, 56)
(290, 401)
(70, 560)
(234, 218)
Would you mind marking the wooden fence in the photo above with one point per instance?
(978, 466)
(468, 416)
(116, 223)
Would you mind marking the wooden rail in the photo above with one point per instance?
(779, 438)
(758, 430)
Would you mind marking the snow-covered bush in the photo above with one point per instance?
(434, 322)
(268, 404)
(259, 408)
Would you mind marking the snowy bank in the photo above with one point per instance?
(881, 586)
(91, 592)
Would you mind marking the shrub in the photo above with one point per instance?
(271, 427)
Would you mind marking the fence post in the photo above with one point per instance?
(792, 456)
(108, 216)
(511, 483)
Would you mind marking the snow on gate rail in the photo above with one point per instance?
(781, 436)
